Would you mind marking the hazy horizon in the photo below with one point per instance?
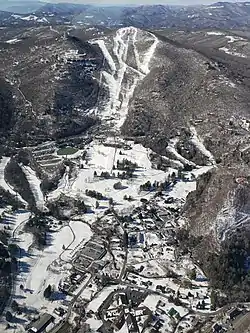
(140, 2)
(123, 2)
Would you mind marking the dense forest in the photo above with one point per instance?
(228, 269)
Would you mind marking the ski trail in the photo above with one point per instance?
(137, 57)
(123, 77)
(171, 148)
(6, 186)
(34, 184)
(149, 55)
(200, 146)
(106, 54)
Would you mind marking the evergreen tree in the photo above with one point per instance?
(14, 306)
(47, 292)
(8, 316)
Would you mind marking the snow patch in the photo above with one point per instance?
(171, 148)
(215, 33)
(13, 41)
(197, 142)
(215, 7)
(232, 39)
(233, 53)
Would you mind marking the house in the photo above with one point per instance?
(157, 326)
(173, 313)
(41, 324)
(217, 328)
(161, 288)
(132, 324)
(59, 311)
(233, 313)
(201, 278)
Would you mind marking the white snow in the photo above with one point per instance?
(103, 158)
(42, 20)
(233, 39)
(182, 189)
(95, 304)
(123, 78)
(37, 267)
(13, 41)
(3, 163)
(151, 302)
(29, 18)
(215, 33)
(25, 18)
(233, 53)
(106, 54)
(34, 183)
(171, 148)
(81, 234)
(144, 66)
(200, 146)
(215, 7)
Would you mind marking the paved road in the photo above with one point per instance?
(123, 270)
(72, 303)
(241, 324)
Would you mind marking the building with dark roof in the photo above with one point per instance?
(41, 324)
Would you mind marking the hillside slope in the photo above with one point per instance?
(182, 95)
(193, 107)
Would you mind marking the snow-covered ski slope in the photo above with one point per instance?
(35, 188)
(3, 163)
(128, 55)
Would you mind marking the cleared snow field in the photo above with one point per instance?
(215, 33)
(124, 78)
(81, 234)
(232, 39)
(35, 266)
(34, 183)
(233, 53)
(103, 158)
(200, 146)
(3, 163)
(172, 149)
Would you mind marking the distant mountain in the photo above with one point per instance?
(218, 15)
(62, 9)
(20, 7)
